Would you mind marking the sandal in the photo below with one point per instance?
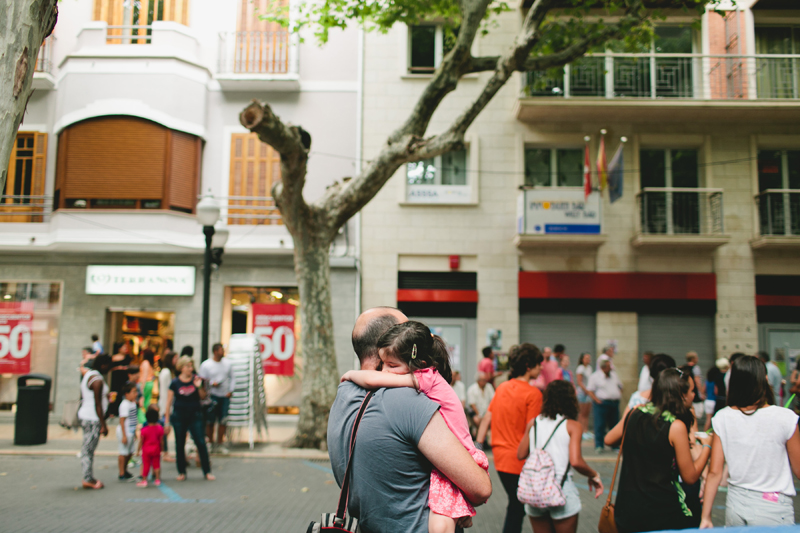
(94, 486)
(181, 477)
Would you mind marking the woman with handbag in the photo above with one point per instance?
(559, 421)
(656, 449)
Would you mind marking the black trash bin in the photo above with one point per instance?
(33, 409)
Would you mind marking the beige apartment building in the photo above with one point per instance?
(701, 251)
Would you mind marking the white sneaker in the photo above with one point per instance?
(222, 449)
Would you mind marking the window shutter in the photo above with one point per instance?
(254, 168)
(39, 164)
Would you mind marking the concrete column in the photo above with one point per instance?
(736, 324)
(624, 329)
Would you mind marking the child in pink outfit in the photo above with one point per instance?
(152, 435)
(412, 357)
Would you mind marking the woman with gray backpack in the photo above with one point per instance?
(551, 447)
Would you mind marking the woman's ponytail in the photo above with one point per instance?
(441, 358)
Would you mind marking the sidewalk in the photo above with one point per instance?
(66, 442)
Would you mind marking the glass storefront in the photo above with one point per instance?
(283, 392)
(45, 298)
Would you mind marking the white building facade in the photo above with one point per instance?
(135, 114)
(699, 253)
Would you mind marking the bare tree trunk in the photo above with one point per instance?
(24, 24)
(320, 371)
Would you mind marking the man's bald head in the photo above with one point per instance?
(370, 325)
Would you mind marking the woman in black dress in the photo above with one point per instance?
(655, 452)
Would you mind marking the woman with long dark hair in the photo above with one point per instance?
(761, 445)
(656, 451)
(559, 433)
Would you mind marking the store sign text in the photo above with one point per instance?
(273, 325)
(16, 321)
(550, 211)
(140, 280)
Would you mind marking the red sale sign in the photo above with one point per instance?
(273, 325)
(16, 320)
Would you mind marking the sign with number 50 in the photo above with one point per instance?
(15, 337)
(273, 325)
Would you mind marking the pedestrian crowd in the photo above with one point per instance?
(157, 397)
(431, 472)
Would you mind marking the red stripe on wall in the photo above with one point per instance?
(617, 286)
(774, 299)
(435, 295)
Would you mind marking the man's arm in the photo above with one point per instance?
(447, 454)
(486, 422)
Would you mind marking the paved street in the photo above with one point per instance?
(41, 494)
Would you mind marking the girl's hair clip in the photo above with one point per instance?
(414, 352)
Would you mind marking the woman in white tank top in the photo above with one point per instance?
(559, 419)
(94, 403)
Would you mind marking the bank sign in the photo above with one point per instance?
(554, 211)
(140, 280)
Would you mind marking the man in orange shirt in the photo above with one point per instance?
(515, 403)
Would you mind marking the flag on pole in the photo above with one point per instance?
(602, 166)
(615, 175)
(587, 174)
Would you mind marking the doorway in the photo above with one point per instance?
(782, 343)
(460, 336)
(140, 329)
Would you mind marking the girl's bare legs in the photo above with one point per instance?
(548, 525)
(438, 523)
(541, 524)
(583, 415)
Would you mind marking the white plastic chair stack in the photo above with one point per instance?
(248, 408)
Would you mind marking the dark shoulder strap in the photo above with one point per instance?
(345, 493)
(553, 433)
(619, 455)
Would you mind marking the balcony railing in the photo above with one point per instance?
(681, 211)
(254, 52)
(129, 34)
(687, 76)
(44, 61)
(25, 208)
(779, 211)
(252, 210)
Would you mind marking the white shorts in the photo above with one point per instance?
(126, 449)
(699, 409)
(710, 406)
(571, 508)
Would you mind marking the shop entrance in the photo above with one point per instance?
(140, 329)
(283, 392)
(782, 343)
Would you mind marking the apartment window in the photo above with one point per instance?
(442, 179)
(130, 20)
(122, 162)
(778, 77)
(427, 45)
(554, 167)
(664, 209)
(255, 167)
(259, 46)
(779, 187)
(22, 197)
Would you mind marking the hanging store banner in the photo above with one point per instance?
(273, 325)
(16, 325)
(140, 280)
(558, 211)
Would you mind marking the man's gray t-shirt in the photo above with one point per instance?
(391, 477)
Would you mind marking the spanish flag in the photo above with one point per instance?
(602, 166)
(587, 173)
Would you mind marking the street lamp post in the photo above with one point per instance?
(207, 216)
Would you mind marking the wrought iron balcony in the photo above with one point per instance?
(129, 34)
(672, 76)
(779, 212)
(25, 208)
(681, 211)
(254, 52)
(44, 60)
(252, 210)
(680, 216)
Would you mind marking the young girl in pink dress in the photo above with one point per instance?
(412, 357)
